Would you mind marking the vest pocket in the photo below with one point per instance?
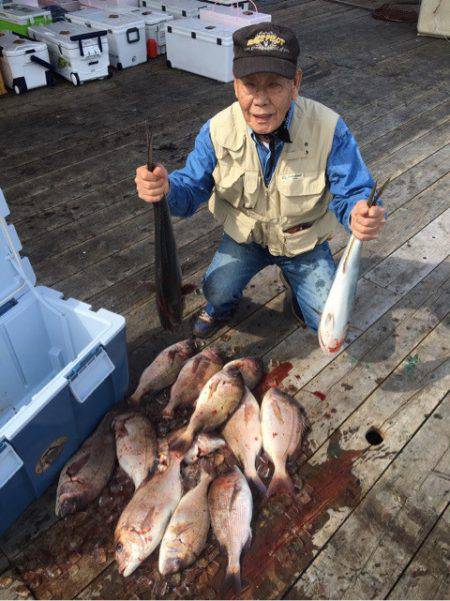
(299, 193)
(229, 185)
(239, 227)
(251, 185)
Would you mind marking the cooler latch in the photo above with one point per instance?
(90, 373)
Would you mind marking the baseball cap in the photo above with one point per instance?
(265, 48)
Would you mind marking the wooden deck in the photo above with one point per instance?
(371, 521)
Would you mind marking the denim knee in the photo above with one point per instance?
(215, 289)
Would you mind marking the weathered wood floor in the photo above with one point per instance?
(372, 520)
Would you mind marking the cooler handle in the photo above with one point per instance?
(41, 62)
(91, 372)
(130, 31)
(10, 463)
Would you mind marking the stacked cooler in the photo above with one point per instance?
(108, 4)
(155, 27)
(18, 18)
(233, 16)
(205, 46)
(177, 8)
(126, 34)
(24, 64)
(63, 366)
(76, 52)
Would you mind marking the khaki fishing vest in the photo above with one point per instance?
(297, 193)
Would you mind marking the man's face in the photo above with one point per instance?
(265, 99)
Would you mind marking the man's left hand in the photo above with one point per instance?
(366, 223)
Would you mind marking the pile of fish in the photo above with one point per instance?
(224, 413)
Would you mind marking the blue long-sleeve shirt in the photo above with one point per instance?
(348, 178)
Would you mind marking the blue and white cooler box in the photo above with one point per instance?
(62, 367)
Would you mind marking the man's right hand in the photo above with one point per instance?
(152, 185)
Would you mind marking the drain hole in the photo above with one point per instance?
(373, 437)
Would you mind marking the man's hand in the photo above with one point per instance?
(152, 185)
(366, 223)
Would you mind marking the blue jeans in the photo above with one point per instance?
(310, 274)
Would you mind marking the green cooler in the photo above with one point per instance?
(15, 17)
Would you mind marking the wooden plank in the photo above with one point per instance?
(368, 553)
(287, 535)
(426, 577)
(411, 262)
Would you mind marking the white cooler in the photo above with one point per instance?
(177, 8)
(107, 4)
(23, 63)
(200, 47)
(434, 18)
(244, 4)
(155, 22)
(232, 15)
(76, 52)
(126, 34)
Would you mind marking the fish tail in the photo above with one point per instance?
(280, 484)
(137, 395)
(258, 483)
(233, 579)
(182, 443)
(167, 412)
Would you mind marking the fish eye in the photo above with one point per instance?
(119, 547)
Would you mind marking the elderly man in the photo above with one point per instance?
(279, 171)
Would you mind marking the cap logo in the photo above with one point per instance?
(267, 40)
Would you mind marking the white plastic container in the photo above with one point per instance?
(177, 8)
(155, 22)
(22, 63)
(17, 17)
(244, 4)
(67, 5)
(126, 34)
(63, 366)
(434, 18)
(200, 47)
(76, 52)
(232, 15)
(107, 4)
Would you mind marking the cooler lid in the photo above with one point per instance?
(150, 16)
(214, 33)
(189, 6)
(110, 19)
(12, 10)
(13, 45)
(62, 32)
(12, 282)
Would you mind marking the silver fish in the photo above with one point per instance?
(87, 472)
(251, 368)
(164, 369)
(219, 398)
(283, 423)
(142, 524)
(185, 536)
(135, 445)
(242, 433)
(203, 444)
(341, 298)
(231, 506)
(191, 379)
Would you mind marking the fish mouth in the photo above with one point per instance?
(67, 505)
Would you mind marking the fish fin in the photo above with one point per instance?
(280, 484)
(232, 581)
(77, 465)
(259, 484)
